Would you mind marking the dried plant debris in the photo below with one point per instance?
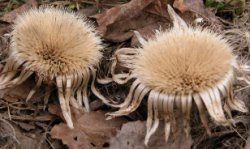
(132, 136)
(130, 14)
(235, 6)
(13, 137)
(91, 130)
(188, 73)
(26, 116)
(197, 7)
(11, 16)
(7, 130)
(145, 17)
(67, 60)
(238, 32)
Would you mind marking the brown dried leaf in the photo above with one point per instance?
(21, 92)
(132, 135)
(25, 126)
(56, 110)
(11, 16)
(32, 140)
(148, 32)
(123, 30)
(73, 138)
(159, 7)
(196, 6)
(91, 130)
(120, 12)
(117, 24)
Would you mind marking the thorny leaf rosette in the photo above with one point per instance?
(60, 48)
(178, 67)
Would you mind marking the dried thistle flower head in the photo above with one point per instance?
(179, 66)
(58, 47)
(52, 42)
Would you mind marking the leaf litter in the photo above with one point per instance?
(132, 135)
(10, 16)
(35, 125)
(91, 130)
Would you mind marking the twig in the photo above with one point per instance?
(30, 118)
(8, 111)
(103, 4)
(12, 128)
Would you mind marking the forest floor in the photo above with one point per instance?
(35, 125)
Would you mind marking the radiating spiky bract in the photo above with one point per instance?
(179, 66)
(59, 47)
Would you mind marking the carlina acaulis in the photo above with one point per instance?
(60, 48)
(177, 67)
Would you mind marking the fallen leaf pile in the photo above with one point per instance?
(118, 23)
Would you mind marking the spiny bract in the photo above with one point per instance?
(60, 48)
(177, 67)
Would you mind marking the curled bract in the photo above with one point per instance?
(178, 67)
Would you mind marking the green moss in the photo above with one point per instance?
(214, 4)
(72, 6)
(236, 6)
(240, 6)
(12, 3)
